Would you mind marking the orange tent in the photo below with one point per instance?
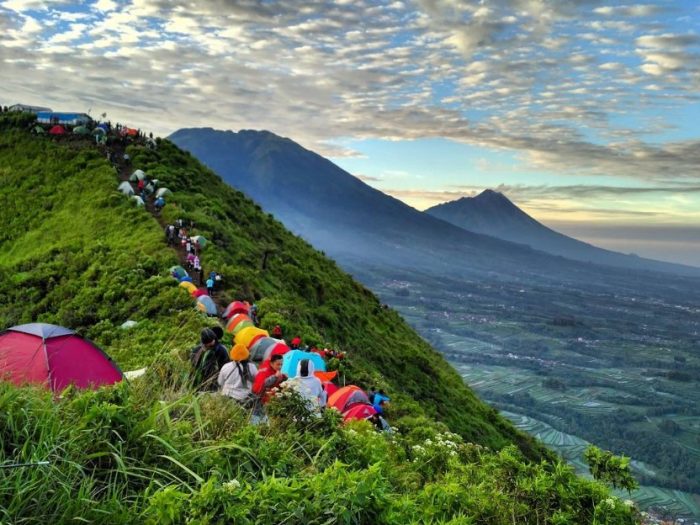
(346, 397)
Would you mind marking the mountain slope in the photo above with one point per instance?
(78, 254)
(353, 222)
(491, 213)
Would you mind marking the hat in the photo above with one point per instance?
(239, 353)
(207, 336)
(296, 341)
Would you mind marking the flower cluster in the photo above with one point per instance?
(445, 443)
(231, 486)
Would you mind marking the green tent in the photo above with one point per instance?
(163, 192)
(81, 130)
(200, 240)
(39, 130)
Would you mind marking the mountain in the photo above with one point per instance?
(358, 224)
(492, 213)
(152, 450)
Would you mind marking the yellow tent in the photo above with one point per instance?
(248, 336)
(188, 286)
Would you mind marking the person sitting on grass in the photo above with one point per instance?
(269, 377)
(208, 358)
(308, 386)
(236, 377)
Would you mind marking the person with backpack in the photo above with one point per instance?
(236, 377)
(210, 285)
(208, 358)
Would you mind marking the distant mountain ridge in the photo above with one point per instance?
(340, 214)
(492, 213)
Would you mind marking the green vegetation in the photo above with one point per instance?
(75, 252)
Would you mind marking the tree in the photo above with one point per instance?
(610, 469)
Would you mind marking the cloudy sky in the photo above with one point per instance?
(584, 112)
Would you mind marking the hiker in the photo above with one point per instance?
(207, 358)
(159, 204)
(277, 332)
(308, 386)
(237, 376)
(296, 343)
(268, 378)
(188, 245)
(140, 186)
(196, 264)
(171, 235)
(253, 314)
(380, 399)
(190, 261)
(210, 286)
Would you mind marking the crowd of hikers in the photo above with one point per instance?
(233, 374)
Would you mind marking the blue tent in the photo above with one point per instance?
(290, 360)
(186, 278)
(206, 304)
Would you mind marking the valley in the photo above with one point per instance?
(573, 365)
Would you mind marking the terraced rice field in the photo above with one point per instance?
(572, 448)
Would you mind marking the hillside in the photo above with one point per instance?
(357, 224)
(491, 213)
(76, 253)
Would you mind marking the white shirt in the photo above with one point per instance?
(231, 382)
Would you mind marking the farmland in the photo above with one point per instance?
(576, 363)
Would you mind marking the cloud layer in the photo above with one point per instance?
(574, 87)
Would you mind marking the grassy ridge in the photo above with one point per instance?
(77, 253)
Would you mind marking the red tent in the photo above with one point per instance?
(236, 307)
(198, 293)
(347, 396)
(57, 130)
(360, 411)
(55, 357)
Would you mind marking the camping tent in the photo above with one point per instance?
(291, 360)
(131, 132)
(38, 130)
(137, 176)
(238, 319)
(199, 293)
(200, 241)
(178, 272)
(81, 130)
(163, 192)
(204, 303)
(187, 279)
(99, 131)
(55, 357)
(57, 130)
(265, 347)
(360, 411)
(103, 126)
(347, 396)
(249, 336)
(236, 307)
(138, 200)
(188, 286)
(126, 188)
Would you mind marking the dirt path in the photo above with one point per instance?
(124, 170)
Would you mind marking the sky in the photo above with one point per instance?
(585, 113)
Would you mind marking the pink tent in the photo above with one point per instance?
(361, 411)
(53, 356)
